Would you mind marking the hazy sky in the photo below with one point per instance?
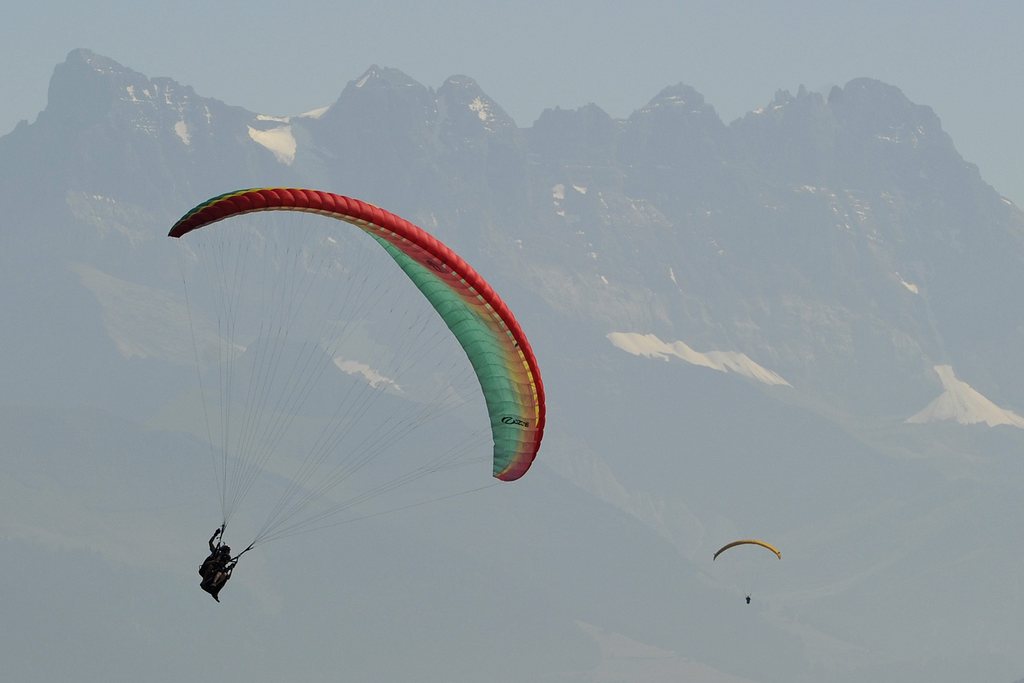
(965, 60)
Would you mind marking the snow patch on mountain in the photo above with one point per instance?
(482, 109)
(650, 346)
(961, 403)
(278, 140)
(181, 130)
(366, 77)
(372, 377)
(314, 113)
(910, 286)
(132, 97)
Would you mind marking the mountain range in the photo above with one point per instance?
(801, 324)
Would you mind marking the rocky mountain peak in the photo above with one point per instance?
(873, 108)
(380, 96)
(85, 87)
(680, 98)
(587, 134)
(466, 107)
(383, 77)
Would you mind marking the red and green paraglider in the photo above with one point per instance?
(502, 360)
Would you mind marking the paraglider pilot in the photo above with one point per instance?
(748, 599)
(216, 569)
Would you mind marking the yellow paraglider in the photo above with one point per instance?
(748, 541)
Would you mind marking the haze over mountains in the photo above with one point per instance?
(802, 324)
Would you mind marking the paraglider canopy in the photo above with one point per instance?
(328, 373)
(483, 324)
(748, 541)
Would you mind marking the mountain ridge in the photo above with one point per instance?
(836, 242)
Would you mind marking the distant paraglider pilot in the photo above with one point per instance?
(216, 569)
(748, 599)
